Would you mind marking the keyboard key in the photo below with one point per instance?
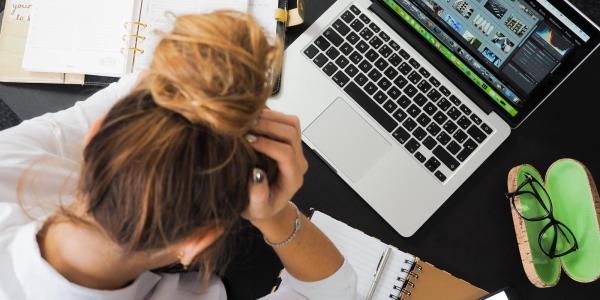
(355, 57)
(414, 63)
(394, 93)
(460, 136)
(362, 46)
(433, 129)
(390, 73)
(371, 107)
(370, 88)
(341, 27)
(372, 55)
(434, 95)
(400, 82)
(434, 81)
(439, 175)
(374, 75)
(446, 158)
(321, 60)
(440, 118)
(420, 99)
(405, 68)
(410, 90)
(414, 77)
(346, 49)
(404, 101)
(409, 124)
(365, 66)
(381, 64)
(353, 38)
(444, 104)
(430, 109)
(455, 100)
(376, 42)
(394, 46)
(430, 143)
(348, 16)
(464, 122)
(420, 157)
(365, 19)
(423, 119)
(332, 53)
(424, 87)
(395, 59)
(390, 106)
(355, 9)
(412, 145)
(357, 25)
(330, 69)
(432, 164)
(404, 54)
(450, 127)
(311, 51)
(333, 37)
(342, 62)
(487, 129)
(375, 28)
(424, 73)
(477, 134)
(413, 111)
(399, 115)
(385, 51)
(454, 113)
(340, 78)
(401, 135)
(469, 147)
(443, 138)
(366, 34)
(361, 79)
(384, 36)
(444, 91)
(380, 97)
(351, 71)
(465, 109)
(476, 119)
(453, 147)
(322, 43)
(384, 84)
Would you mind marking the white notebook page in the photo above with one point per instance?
(264, 13)
(155, 15)
(78, 36)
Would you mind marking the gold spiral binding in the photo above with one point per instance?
(140, 24)
(404, 293)
(141, 51)
(135, 36)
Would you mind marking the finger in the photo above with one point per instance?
(282, 153)
(258, 194)
(278, 131)
(283, 118)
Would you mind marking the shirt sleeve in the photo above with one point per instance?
(340, 285)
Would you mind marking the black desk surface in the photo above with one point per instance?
(471, 236)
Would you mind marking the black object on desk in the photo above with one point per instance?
(7, 117)
(471, 236)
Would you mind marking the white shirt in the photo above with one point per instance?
(48, 150)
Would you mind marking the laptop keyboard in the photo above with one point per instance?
(401, 95)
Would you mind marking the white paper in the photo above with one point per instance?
(264, 13)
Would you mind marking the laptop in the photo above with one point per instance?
(405, 99)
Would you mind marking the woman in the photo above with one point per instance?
(165, 176)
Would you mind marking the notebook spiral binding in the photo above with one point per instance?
(406, 284)
(132, 39)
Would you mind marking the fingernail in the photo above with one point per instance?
(251, 138)
(258, 176)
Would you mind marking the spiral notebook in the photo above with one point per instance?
(384, 272)
(114, 37)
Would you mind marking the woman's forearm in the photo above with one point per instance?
(310, 256)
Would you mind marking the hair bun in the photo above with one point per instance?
(216, 69)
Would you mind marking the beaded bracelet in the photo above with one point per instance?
(297, 226)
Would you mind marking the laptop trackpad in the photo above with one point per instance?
(347, 140)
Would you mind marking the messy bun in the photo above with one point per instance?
(217, 70)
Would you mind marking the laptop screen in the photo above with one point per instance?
(514, 51)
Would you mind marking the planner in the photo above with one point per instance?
(115, 37)
(384, 272)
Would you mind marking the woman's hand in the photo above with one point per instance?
(279, 138)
